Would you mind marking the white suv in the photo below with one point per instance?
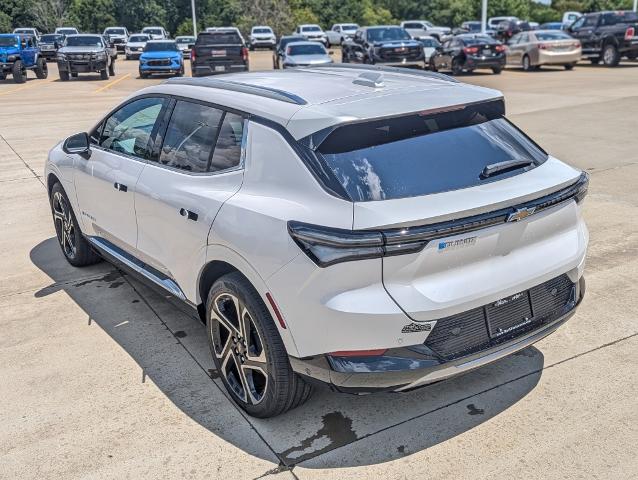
(313, 33)
(371, 228)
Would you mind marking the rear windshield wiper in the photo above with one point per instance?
(506, 166)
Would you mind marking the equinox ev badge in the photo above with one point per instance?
(520, 214)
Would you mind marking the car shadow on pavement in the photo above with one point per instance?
(331, 430)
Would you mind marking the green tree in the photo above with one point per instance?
(5, 22)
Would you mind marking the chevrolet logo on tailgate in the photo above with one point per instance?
(520, 214)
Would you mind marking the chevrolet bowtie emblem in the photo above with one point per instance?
(520, 214)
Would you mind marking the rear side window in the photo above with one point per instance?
(422, 154)
(188, 143)
(227, 152)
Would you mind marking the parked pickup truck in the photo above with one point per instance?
(607, 36)
(387, 45)
(19, 53)
(218, 52)
(86, 53)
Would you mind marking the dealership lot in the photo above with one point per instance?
(102, 377)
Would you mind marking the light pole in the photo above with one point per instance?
(484, 15)
(195, 19)
(635, 5)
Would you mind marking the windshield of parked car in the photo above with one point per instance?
(306, 50)
(429, 42)
(262, 30)
(51, 37)
(472, 26)
(139, 38)
(84, 42)
(8, 41)
(421, 154)
(114, 31)
(557, 35)
(185, 39)
(350, 27)
(153, 31)
(385, 34)
(160, 46)
(311, 28)
(24, 30)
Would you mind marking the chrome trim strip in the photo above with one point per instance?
(137, 266)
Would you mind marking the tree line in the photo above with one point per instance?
(282, 15)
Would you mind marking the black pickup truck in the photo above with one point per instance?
(218, 52)
(607, 36)
(386, 45)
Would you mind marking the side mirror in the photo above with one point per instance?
(78, 144)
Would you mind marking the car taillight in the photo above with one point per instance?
(470, 49)
(629, 33)
(244, 53)
(576, 44)
(543, 46)
(192, 55)
(500, 48)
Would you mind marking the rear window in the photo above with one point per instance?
(220, 38)
(114, 31)
(547, 36)
(312, 28)
(422, 154)
(479, 40)
(619, 17)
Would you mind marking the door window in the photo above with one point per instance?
(227, 152)
(130, 129)
(191, 134)
(591, 20)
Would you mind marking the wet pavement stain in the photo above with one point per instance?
(180, 334)
(111, 277)
(401, 449)
(336, 431)
(212, 373)
(472, 410)
(135, 301)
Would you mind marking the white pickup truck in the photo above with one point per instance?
(423, 28)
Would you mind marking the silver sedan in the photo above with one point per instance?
(302, 54)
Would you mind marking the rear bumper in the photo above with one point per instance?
(403, 369)
(214, 68)
(485, 62)
(402, 63)
(559, 58)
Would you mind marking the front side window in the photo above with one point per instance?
(591, 21)
(227, 152)
(422, 154)
(130, 129)
(188, 143)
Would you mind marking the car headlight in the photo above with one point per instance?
(100, 55)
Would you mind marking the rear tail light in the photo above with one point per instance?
(629, 33)
(500, 48)
(576, 44)
(471, 49)
(244, 53)
(192, 55)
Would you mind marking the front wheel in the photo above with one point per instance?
(112, 69)
(75, 247)
(64, 75)
(104, 74)
(19, 72)
(527, 64)
(569, 66)
(457, 68)
(497, 70)
(248, 351)
(41, 69)
(611, 56)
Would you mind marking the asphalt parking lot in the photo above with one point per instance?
(102, 378)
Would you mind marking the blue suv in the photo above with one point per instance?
(161, 56)
(19, 53)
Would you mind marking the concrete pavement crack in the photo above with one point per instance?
(22, 160)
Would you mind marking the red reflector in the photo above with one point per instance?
(629, 33)
(500, 48)
(192, 54)
(470, 49)
(276, 309)
(359, 353)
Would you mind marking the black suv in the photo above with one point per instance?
(468, 52)
(387, 45)
(218, 52)
(607, 36)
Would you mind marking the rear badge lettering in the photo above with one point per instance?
(505, 301)
(416, 327)
(459, 243)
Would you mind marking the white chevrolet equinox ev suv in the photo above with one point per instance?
(370, 228)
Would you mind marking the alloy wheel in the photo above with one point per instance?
(64, 227)
(609, 55)
(239, 348)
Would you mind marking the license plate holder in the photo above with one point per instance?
(509, 314)
(218, 53)
(220, 68)
(487, 52)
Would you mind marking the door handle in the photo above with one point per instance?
(188, 214)
(121, 187)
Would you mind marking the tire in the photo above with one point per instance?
(64, 75)
(104, 74)
(112, 69)
(345, 58)
(569, 66)
(267, 385)
(74, 74)
(145, 75)
(128, 57)
(75, 247)
(181, 72)
(497, 70)
(19, 72)
(457, 68)
(3, 76)
(433, 65)
(527, 63)
(632, 56)
(595, 60)
(611, 56)
(41, 69)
